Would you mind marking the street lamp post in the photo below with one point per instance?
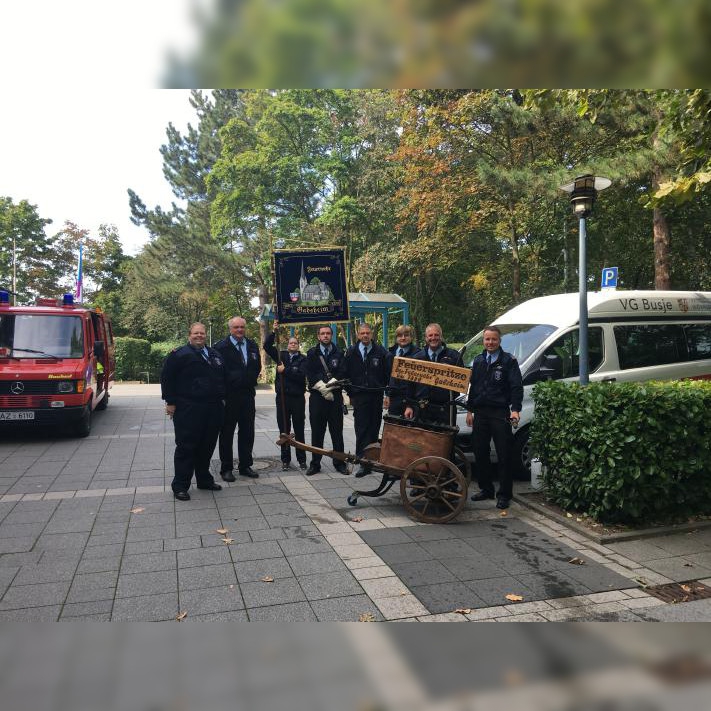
(583, 191)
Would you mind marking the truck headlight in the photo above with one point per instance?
(65, 386)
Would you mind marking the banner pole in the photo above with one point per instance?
(282, 395)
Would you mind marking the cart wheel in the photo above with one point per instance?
(353, 500)
(433, 490)
(463, 464)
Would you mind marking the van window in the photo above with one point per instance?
(643, 346)
(518, 339)
(568, 348)
(30, 335)
(698, 337)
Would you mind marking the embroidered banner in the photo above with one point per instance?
(441, 375)
(310, 286)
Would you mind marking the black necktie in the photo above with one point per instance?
(239, 350)
(204, 354)
(488, 358)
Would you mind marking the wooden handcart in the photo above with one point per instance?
(433, 474)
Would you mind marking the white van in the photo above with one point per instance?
(633, 336)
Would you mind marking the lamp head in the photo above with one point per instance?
(583, 191)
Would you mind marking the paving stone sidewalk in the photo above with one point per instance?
(89, 529)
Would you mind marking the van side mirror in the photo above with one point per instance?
(99, 349)
(551, 368)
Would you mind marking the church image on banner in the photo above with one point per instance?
(318, 293)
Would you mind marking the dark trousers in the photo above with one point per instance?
(396, 406)
(295, 406)
(239, 413)
(367, 416)
(488, 423)
(197, 425)
(437, 413)
(322, 414)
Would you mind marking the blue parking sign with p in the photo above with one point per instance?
(609, 278)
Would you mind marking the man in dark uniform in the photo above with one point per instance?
(324, 363)
(397, 389)
(193, 387)
(291, 382)
(243, 363)
(494, 402)
(367, 367)
(440, 402)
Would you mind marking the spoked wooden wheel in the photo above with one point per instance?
(462, 463)
(433, 490)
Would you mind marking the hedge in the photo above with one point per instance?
(136, 358)
(131, 357)
(158, 353)
(625, 452)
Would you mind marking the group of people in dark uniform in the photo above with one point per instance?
(197, 379)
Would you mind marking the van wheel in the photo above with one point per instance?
(521, 456)
(104, 402)
(83, 427)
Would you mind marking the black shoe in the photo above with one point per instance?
(363, 471)
(302, 465)
(181, 495)
(227, 475)
(248, 471)
(341, 467)
(482, 496)
(502, 502)
(211, 487)
(285, 466)
(313, 469)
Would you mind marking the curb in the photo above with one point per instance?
(603, 538)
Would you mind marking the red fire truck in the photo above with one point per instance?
(56, 363)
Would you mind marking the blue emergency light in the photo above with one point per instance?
(4, 297)
(68, 300)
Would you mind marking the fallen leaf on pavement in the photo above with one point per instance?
(267, 579)
(463, 610)
(686, 588)
(577, 561)
(358, 519)
(688, 565)
(367, 617)
(569, 515)
(137, 509)
(514, 598)
(181, 616)
(504, 513)
(222, 530)
(227, 541)
(513, 677)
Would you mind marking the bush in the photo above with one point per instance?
(158, 353)
(131, 357)
(625, 452)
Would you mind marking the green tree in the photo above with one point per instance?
(25, 251)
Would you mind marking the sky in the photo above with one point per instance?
(75, 152)
(81, 117)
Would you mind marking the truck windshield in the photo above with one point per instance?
(41, 335)
(518, 339)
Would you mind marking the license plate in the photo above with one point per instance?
(16, 415)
